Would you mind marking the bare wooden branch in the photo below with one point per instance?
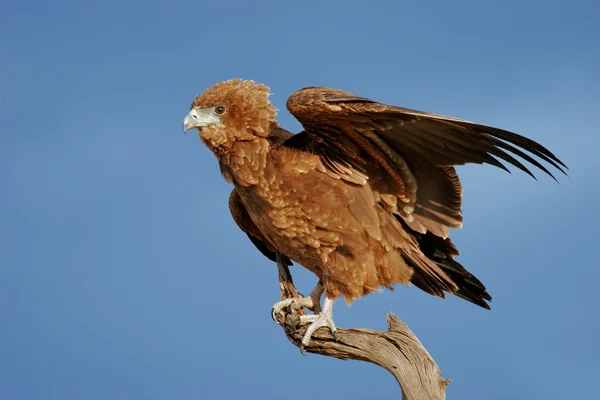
(398, 350)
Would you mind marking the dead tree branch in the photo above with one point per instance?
(398, 350)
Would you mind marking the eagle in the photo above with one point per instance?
(364, 196)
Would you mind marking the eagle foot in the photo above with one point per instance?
(294, 304)
(312, 302)
(322, 319)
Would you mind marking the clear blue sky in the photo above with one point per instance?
(122, 275)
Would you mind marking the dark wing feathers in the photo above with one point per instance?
(492, 133)
(266, 251)
(444, 141)
(439, 199)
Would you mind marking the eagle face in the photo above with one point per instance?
(203, 117)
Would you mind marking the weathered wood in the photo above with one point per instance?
(398, 350)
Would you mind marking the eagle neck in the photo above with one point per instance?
(245, 162)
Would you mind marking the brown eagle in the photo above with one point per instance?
(364, 197)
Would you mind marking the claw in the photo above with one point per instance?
(280, 305)
(273, 314)
(294, 304)
(302, 349)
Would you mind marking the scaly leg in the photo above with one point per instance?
(322, 319)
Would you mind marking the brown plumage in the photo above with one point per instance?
(365, 196)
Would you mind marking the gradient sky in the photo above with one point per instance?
(123, 275)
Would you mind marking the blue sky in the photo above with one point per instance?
(123, 275)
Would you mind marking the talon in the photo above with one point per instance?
(278, 307)
(273, 314)
(294, 304)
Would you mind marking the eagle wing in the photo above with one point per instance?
(406, 155)
(245, 223)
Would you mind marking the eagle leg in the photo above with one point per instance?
(312, 302)
(322, 319)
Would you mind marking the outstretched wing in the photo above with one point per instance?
(407, 155)
(245, 223)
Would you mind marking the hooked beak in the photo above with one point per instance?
(191, 121)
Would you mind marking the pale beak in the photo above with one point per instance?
(191, 121)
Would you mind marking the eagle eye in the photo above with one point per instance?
(219, 110)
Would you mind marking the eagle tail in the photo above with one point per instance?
(442, 252)
(469, 287)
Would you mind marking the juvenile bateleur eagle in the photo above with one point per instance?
(364, 197)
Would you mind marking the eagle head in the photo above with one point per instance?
(231, 111)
